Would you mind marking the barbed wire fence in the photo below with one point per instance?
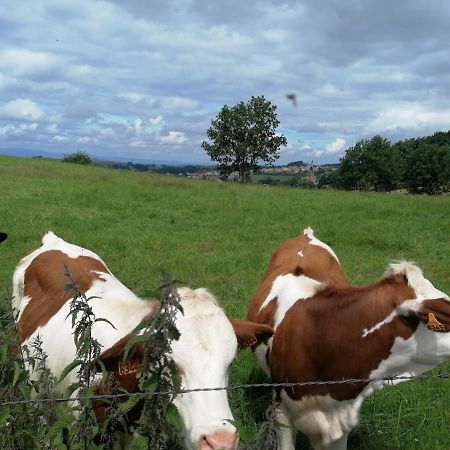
(172, 393)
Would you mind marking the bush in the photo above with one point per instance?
(78, 158)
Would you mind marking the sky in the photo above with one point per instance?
(143, 79)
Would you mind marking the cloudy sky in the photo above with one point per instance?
(142, 79)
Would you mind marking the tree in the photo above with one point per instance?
(371, 165)
(78, 158)
(244, 135)
(428, 169)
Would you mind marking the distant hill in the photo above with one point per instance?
(28, 153)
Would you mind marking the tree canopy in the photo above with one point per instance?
(78, 158)
(243, 136)
(421, 165)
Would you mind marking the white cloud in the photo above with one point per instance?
(107, 132)
(174, 137)
(329, 90)
(158, 120)
(138, 144)
(336, 146)
(23, 109)
(81, 71)
(20, 130)
(134, 98)
(409, 116)
(87, 140)
(52, 128)
(179, 103)
(7, 129)
(61, 139)
(22, 61)
(149, 126)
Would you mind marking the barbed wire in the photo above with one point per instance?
(232, 387)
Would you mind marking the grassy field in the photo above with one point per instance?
(221, 235)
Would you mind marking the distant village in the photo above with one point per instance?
(297, 173)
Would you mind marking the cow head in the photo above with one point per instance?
(3, 236)
(429, 313)
(203, 354)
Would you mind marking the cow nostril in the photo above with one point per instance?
(204, 444)
(219, 441)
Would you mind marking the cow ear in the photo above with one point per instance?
(112, 358)
(435, 314)
(3, 237)
(250, 333)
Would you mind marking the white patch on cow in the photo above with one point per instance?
(314, 241)
(300, 253)
(324, 420)
(287, 289)
(203, 354)
(376, 327)
(261, 352)
(422, 351)
(422, 287)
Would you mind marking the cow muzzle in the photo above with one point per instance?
(221, 440)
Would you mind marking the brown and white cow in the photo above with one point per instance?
(203, 353)
(326, 329)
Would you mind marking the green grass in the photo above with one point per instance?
(220, 236)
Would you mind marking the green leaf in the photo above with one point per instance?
(173, 417)
(16, 373)
(133, 341)
(72, 388)
(105, 320)
(24, 391)
(4, 414)
(129, 404)
(69, 368)
(3, 353)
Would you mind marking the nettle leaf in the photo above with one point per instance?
(16, 373)
(24, 391)
(133, 341)
(144, 324)
(148, 385)
(129, 404)
(72, 388)
(105, 320)
(69, 368)
(4, 353)
(4, 414)
(173, 417)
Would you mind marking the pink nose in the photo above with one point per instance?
(221, 440)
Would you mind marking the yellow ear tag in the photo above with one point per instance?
(433, 324)
(126, 367)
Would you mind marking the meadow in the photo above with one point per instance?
(220, 236)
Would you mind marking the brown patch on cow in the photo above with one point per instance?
(321, 338)
(45, 285)
(316, 263)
